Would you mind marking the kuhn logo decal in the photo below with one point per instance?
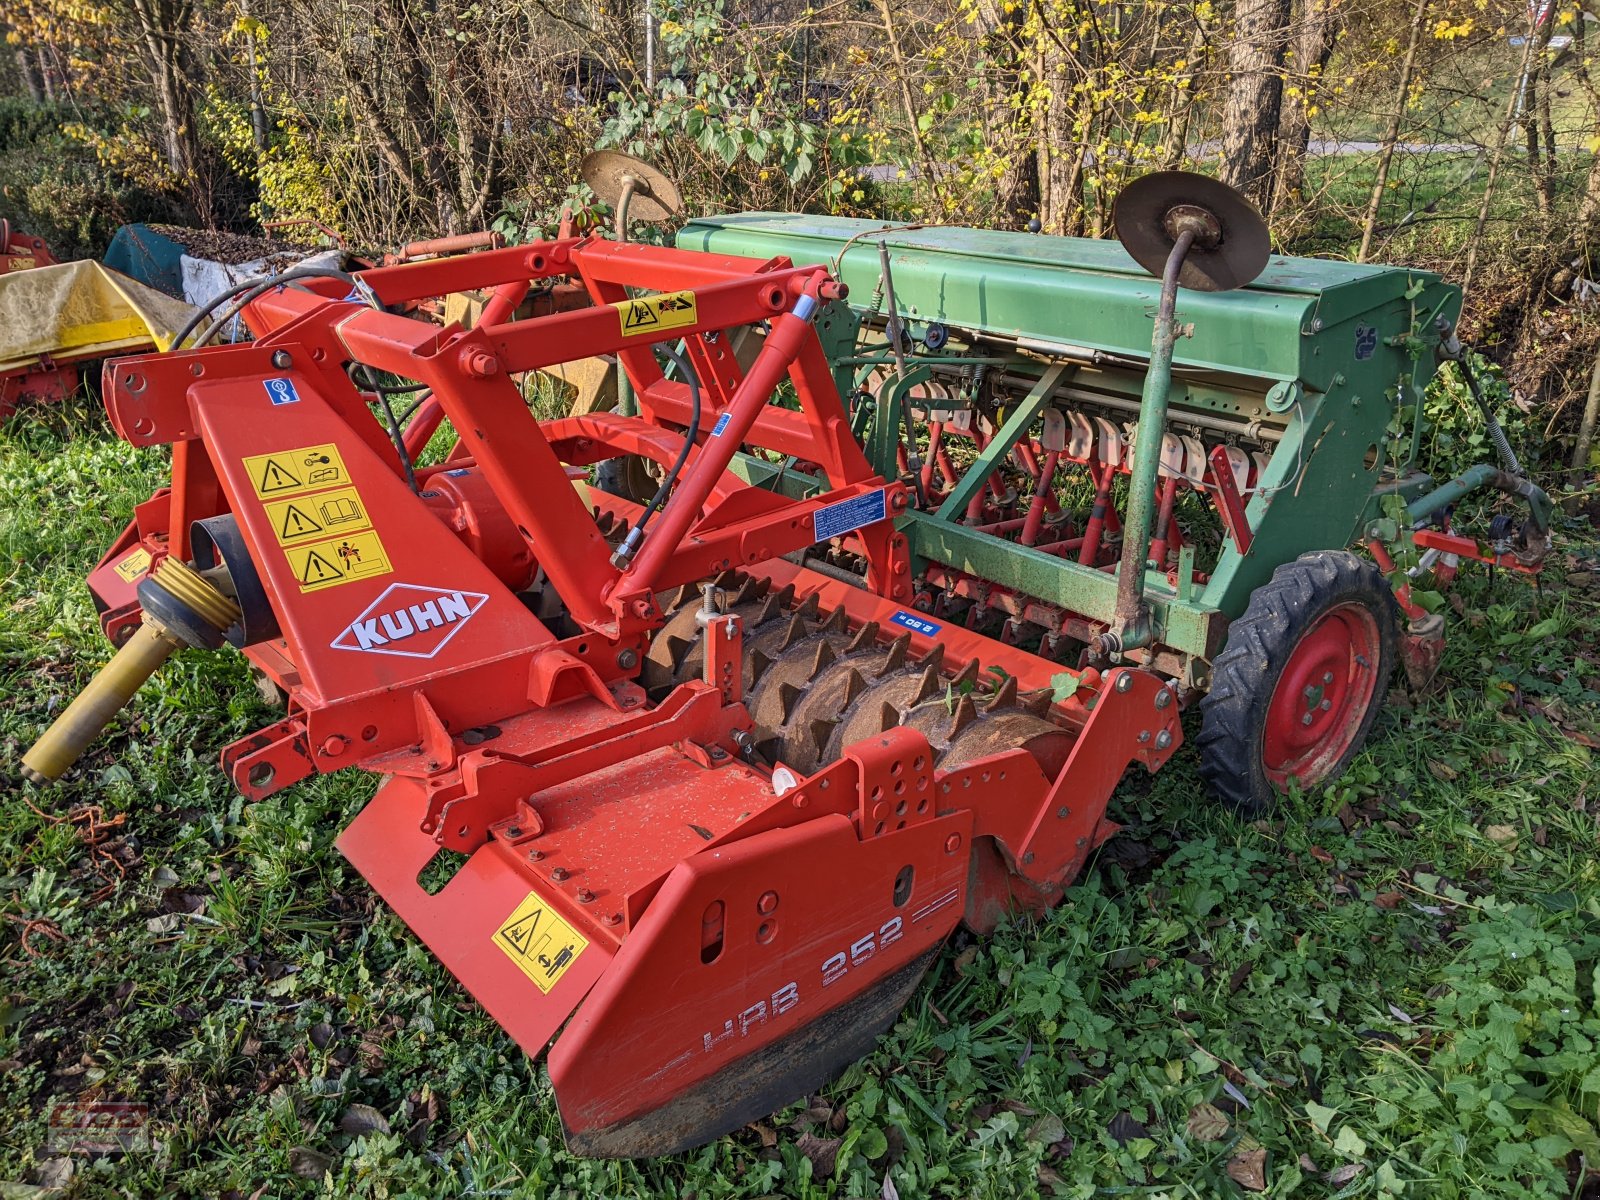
(410, 620)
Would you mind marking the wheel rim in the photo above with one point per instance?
(1322, 697)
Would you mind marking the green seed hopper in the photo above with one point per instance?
(986, 365)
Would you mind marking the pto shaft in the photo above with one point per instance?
(191, 612)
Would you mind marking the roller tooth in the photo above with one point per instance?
(821, 730)
(810, 607)
(928, 688)
(888, 716)
(836, 622)
(676, 646)
(854, 684)
(864, 637)
(934, 657)
(797, 630)
(897, 653)
(825, 655)
(748, 590)
(770, 607)
(968, 672)
(759, 661)
(786, 595)
(1004, 696)
(966, 713)
(1038, 703)
(603, 522)
(788, 693)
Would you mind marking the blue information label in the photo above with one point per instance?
(281, 391)
(833, 519)
(915, 624)
(722, 423)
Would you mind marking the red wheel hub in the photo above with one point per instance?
(1322, 697)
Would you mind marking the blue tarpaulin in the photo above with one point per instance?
(154, 259)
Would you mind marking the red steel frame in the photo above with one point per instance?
(683, 871)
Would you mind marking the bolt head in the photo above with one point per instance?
(1306, 720)
(559, 874)
(282, 360)
(627, 659)
(585, 895)
(1327, 677)
(1125, 682)
(1163, 698)
(1163, 740)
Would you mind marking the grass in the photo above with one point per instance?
(1388, 989)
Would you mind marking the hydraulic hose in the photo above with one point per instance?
(630, 544)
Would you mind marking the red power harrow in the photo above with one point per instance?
(717, 811)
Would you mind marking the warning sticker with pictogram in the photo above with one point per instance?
(135, 565)
(655, 314)
(290, 472)
(318, 516)
(541, 944)
(339, 560)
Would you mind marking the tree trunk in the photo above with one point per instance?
(1318, 32)
(1502, 135)
(1017, 190)
(162, 24)
(29, 75)
(1255, 98)
(1391, 135)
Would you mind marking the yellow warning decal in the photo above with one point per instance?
(653, 314)
(290, 472)
(135, 565)
(541, 944)
(310, 517)
(346, 559)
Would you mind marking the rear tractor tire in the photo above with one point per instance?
(1299, 682)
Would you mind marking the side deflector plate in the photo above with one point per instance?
(517, 952)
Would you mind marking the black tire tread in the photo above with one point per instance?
(1258, 646)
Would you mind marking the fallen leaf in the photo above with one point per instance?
(363, 1118)
(1340, 1176)
(1321, 855)
(1501, 834)
(1048, 1129)
(308, 1163)
(1442, 771)
(767, 1134)
(1400, 1014)
(1249, 1170)
(165, 923)
(821, 1151)
(1125, 1129)
(1388, 899)
(965, 959)
(1049, 1177)
(889, 1192)
(1207, 1123)
(55, 1173)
